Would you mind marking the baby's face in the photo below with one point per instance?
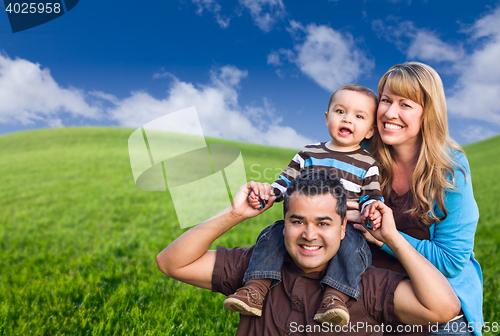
(350, 119)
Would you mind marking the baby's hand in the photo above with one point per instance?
(259, 195)
(253, 200)
(373, 216)
(376, 219)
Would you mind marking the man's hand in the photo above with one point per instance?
(369, 238)
(188, 259)
(353, 214)
(246, 203)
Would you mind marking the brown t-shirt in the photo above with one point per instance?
(404, 223)
(290, 306)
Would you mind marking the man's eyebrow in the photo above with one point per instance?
(296, 216)
(323, 218)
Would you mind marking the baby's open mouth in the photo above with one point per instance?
(345, 130)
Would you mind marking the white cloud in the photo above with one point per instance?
(162, 74)
(327, 56)
(417, 43)
(477, 133)
(273, 58)
(28, 93)
(428, 47)
(265, 13)
(487, 25)
(105, 96)
(213, 7)
(55, 123)
(477, 92)
(218, 109)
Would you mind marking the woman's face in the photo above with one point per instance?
(399, 120)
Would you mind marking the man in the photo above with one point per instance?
(314, 225)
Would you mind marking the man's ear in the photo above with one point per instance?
(344, 226)
(370, 132)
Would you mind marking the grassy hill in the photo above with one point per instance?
(484, 159)
(78, 239)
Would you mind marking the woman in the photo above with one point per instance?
(425, 180)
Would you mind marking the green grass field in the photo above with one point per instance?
(78, 240)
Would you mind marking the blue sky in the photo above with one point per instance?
(257, 70)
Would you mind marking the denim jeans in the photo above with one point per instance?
(456, 327)
(343, 273)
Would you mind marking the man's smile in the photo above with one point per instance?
(309, 247)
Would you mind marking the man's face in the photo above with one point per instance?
(313, 230)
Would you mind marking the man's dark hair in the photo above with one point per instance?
(314, 182)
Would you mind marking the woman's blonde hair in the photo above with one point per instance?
(422, 84)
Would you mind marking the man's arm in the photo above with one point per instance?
(428, 297)
(188, 259)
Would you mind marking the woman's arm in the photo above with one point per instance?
(453, 241)
(428, 297)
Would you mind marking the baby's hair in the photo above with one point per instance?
(355, 88)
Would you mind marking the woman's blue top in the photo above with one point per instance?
(451, 244)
